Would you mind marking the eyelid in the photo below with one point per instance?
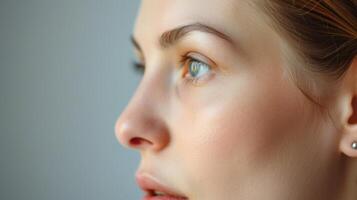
(199, 57)
(139, 65)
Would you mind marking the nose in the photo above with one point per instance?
(142, 125)
(142, 131)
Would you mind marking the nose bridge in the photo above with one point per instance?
(153, 92)
(142, 124)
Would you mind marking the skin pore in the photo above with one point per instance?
(243, 130)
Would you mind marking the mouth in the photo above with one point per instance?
(156, 191)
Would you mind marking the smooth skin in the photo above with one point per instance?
(244, 130)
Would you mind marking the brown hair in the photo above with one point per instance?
(323, 34)
(324, 31)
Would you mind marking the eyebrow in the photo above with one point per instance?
(170, 37)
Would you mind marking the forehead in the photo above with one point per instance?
(158, 16)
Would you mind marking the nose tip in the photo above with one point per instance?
(142, 132)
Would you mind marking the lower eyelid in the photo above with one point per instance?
(197, 82)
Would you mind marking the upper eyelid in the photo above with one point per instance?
(201, 58)
(140, 54)
(191, 55)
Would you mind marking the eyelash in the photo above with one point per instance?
(184, 63)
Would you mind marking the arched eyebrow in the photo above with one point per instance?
(170, 37)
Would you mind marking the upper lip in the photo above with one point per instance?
(149, 184)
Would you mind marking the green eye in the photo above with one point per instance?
(197, 68)
(195, 71)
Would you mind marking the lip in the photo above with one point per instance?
(149, 184)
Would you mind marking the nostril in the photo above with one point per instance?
(141, 132)
(136, 141)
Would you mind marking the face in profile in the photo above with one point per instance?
(216, 114)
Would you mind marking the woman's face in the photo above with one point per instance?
(216, 115)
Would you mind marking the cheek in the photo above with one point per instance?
(251, 119)
(240, 130)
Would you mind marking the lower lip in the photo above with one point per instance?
(163, 198)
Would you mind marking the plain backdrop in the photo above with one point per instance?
(65, 77)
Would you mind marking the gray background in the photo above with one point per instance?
(64, 79)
